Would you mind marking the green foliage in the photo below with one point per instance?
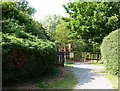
(32, 43)
(62, 33)
(49, 23)
(26, 52)
(92, 21)
(28, 57)
(19, 15)
(109, 52)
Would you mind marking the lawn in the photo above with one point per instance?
(95, 63)
(69, 64)
(63, 79)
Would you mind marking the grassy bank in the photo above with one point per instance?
(62, 79)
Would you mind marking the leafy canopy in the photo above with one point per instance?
(92, 21)
(49, 23)
(19, 14)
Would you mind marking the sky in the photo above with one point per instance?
(48, 7)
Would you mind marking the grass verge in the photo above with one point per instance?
(95, 63)
(65, 79)
(112, 78)
(69, 64)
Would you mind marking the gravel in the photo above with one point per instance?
(88, 78)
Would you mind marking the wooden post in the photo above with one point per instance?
(84, 56)
(97, 57)
(63, 59)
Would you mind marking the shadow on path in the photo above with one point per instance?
(84, 75)
(87, 78)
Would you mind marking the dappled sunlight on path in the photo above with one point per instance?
(88, 78)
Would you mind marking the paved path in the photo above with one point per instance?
(88, 78)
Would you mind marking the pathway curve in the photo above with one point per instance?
(88, 78)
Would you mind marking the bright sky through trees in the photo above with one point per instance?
(45, 7)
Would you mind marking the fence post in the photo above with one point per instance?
(63, 59)
(97, 57)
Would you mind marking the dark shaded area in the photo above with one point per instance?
(84, 74)
(30, 83)
(20, 66)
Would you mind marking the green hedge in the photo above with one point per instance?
(109, 52)
(26, 52)
(26, 58)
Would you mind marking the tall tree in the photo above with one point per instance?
(62, 34)
(49, 23)
(20, 13)
(92, 21)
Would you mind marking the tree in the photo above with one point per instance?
(62, 34)
(49, 23)
(20, 14)
(92, 21)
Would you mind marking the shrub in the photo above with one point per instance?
(109, 52)
(26, 52)
(26, 58)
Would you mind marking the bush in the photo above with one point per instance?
(109, 52)
(26, 58)
(26, 52)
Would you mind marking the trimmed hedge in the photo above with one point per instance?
(109, 52)
(23, 59)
